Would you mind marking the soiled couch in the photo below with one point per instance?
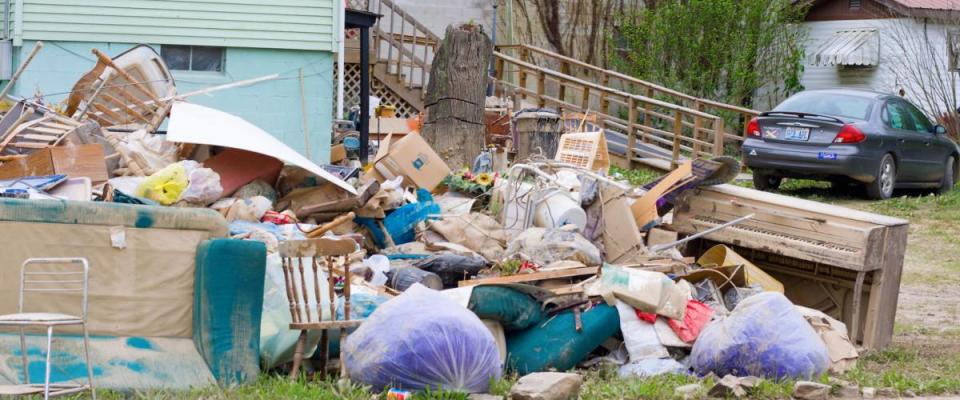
(173, 302)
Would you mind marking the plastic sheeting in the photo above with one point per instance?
(764, 336)
(402, 346)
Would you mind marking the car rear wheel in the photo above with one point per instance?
(766, 182)
(886, 178)
(946, 184)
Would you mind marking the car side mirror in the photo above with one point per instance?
(939, 130)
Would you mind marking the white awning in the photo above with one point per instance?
(849, 47)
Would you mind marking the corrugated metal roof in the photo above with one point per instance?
(849, 47)
(953, 5)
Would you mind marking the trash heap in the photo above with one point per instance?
(545, 263)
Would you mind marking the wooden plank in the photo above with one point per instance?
(29, 145)
(43, 138)
(56, 132)
(533, 277)
(884, 292)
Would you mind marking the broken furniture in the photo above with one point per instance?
(44, 278)
(25, 129)
(843, 262)
(173, 304)
(135, 87)
(327, 258)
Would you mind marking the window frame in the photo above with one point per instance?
(190, 48)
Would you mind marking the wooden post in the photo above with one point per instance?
(604, 103)
(647, 120)
(20, 69)
(541, 87)
(400, 48)
(585, 99)
(456, 94)
(631, 129)
(697, 122)
(564, 69)
(718, 136)
(677, 133)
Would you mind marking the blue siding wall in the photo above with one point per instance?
(274, 106)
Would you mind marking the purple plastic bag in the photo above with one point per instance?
(423, 339)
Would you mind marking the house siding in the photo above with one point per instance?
(275, 24)
(274, 106)
(884, 76)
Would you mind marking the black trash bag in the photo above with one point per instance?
(452, 268)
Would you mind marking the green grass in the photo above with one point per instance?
(636, 177)
(922, 371)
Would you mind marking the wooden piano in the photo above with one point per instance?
(844, 262)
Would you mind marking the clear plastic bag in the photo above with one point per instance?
(402, 346)
(204, 184)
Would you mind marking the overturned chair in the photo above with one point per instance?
(305, 264)
(48, 277)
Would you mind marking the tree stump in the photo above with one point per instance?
(456, 94)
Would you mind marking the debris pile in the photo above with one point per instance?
(547, 263)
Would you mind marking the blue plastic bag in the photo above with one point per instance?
(423, 339)
(764, 336)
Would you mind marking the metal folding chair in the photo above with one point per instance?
(327, 257)
(52, 276)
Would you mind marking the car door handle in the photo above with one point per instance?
(926, 143)
(901, 140)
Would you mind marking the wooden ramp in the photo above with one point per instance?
(644, 123)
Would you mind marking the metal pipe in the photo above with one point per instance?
(364, 127)
(661, 247)
(341, 37)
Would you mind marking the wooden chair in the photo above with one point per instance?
(326, 257)
(51, 276)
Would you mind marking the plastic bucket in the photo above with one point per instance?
(558, 209)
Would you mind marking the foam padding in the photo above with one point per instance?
(556, 344)
(229, 304)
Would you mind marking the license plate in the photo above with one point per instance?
(793, 133)
(827, 156)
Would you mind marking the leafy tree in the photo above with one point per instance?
(724, 50)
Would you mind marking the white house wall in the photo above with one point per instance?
(882, 77)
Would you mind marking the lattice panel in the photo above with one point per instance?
(351, 92)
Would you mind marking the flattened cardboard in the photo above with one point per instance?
(622, 241)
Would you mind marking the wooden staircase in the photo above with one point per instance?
(402, 52)
(644, 122)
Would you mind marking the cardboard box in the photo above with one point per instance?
(412, 158)
(85, 160)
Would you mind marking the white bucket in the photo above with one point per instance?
(559, 208)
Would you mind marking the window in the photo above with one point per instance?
(920, 121)
(193, 58)
(832, 104)
(854, 5)
(897, 116)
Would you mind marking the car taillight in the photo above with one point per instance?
(753, 128)
(849, 134)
